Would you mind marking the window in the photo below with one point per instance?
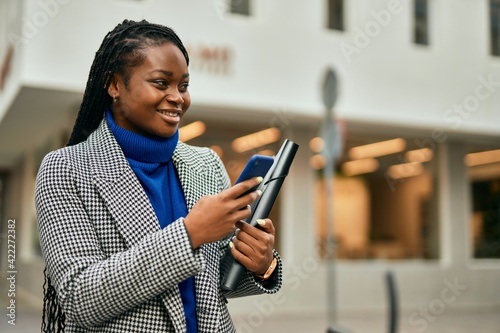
(335, 12)
(384, 202)
(495, 27)
(241, 7)
(484, 175)
(421, 24)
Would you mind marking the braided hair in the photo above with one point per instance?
(123, 48)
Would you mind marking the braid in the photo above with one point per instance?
(122, 49)
(53, 318)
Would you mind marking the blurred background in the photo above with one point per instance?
(416, 123)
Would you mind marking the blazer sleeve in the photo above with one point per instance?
(92, 287)
(249, 285)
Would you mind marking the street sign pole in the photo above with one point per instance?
(332, 150)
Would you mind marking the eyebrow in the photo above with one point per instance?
(169, 73)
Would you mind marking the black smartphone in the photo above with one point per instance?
(257, 165)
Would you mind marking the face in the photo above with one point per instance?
(156, 96)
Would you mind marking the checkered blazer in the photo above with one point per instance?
(114, 269)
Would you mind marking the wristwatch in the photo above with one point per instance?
(269, 271)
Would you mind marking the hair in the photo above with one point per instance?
(123, 48)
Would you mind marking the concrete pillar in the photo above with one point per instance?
(454, 197)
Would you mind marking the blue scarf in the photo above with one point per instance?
(150, 159)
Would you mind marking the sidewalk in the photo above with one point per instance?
(28, 320)
(479, 321)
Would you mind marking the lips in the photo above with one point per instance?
(171, 116)
(170, 113)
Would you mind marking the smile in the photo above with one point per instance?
(169, 113)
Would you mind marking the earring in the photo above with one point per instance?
(115, 99)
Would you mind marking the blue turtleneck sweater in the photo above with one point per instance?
(150, 159)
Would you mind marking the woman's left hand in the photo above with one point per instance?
(253, 247)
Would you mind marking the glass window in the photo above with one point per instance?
(241, 7)
(384, 202)
(484, 176)
(495, 27)
(421, 23)
(335, 11)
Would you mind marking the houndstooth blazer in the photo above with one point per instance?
(113, 268)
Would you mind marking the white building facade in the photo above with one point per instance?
(266, 69)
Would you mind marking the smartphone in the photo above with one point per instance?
(257, 165)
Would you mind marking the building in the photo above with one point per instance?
(423, 77)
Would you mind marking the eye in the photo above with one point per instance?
(184, 87)
(162, 83)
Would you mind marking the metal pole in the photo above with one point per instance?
(332, 150)
(330, 246)
(392, 294)
(331, 138)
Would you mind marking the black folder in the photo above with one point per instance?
(270, 187)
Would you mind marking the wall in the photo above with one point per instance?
(282, 52)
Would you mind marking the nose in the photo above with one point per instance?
(174, 96)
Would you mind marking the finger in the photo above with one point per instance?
(240, 188)
(243, 259)
(260, 241)
(243, 238)
(246, 200)
(265, 225)
(246, 248)
(241, 214)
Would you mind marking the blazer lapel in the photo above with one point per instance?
(119, 187)
(193, 174)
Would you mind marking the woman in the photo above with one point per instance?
(132, 222)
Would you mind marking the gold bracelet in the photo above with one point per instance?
(269, 271)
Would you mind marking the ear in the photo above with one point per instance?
(114, 86)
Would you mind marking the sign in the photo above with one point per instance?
(216, 60)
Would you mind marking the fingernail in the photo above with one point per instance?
(260, 179)
(259, 192)
(261, 222)
(231, 245)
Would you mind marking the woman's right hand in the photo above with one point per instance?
(214, 216)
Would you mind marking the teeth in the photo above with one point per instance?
(170, 114)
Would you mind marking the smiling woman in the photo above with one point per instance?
(132, 221)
